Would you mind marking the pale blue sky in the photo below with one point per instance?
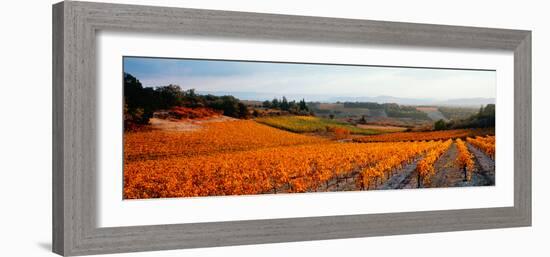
(279, 79)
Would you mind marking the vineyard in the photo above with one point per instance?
(431, 135)
(465, 159)
(245, 157)
(425, 167)
(213, 138)
(300, 124)
(486, 144)
(278, 169)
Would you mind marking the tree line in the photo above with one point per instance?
(293, 107)
(141, 102)
(392, 109)
(484, 118)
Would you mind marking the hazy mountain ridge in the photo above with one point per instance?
(478, 101)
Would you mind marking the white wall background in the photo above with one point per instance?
(25, 127)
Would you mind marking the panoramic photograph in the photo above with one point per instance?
(197, 127)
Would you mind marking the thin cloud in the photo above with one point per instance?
(308, 79)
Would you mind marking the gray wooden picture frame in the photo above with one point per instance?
(75, 25)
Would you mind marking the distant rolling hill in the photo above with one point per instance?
(468, 102)
(254, 96)
(418, 101)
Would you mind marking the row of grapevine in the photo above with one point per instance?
(485, 144)
(382, 170)
(425, 167)
(464, 160)
(244, 157)
(299, 168)
(209, 138)
(429, 135)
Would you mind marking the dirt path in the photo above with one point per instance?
(184, 125)
(341, 183)
(448, 174)
(484, 174)
(405, 177)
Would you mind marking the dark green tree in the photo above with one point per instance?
(303, 105)
(440, 125)
(139, 102)
(266, 104)
(170, 95)
(285, 106)
(363, 120)
(275, 103)
(243, 110)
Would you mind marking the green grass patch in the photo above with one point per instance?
(305, 124)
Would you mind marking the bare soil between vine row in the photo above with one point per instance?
(448, 174)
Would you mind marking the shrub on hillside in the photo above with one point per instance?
(179, 112)
(340, 133)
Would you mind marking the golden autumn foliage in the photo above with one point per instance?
(340, 133)
(401, 153)
(179, 112)
(429, 135)
(269, 170)
(425, 167)
(212, 138)
(464, 160)
(244, 157)
(485, 144)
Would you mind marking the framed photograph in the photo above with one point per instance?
(182, 128)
